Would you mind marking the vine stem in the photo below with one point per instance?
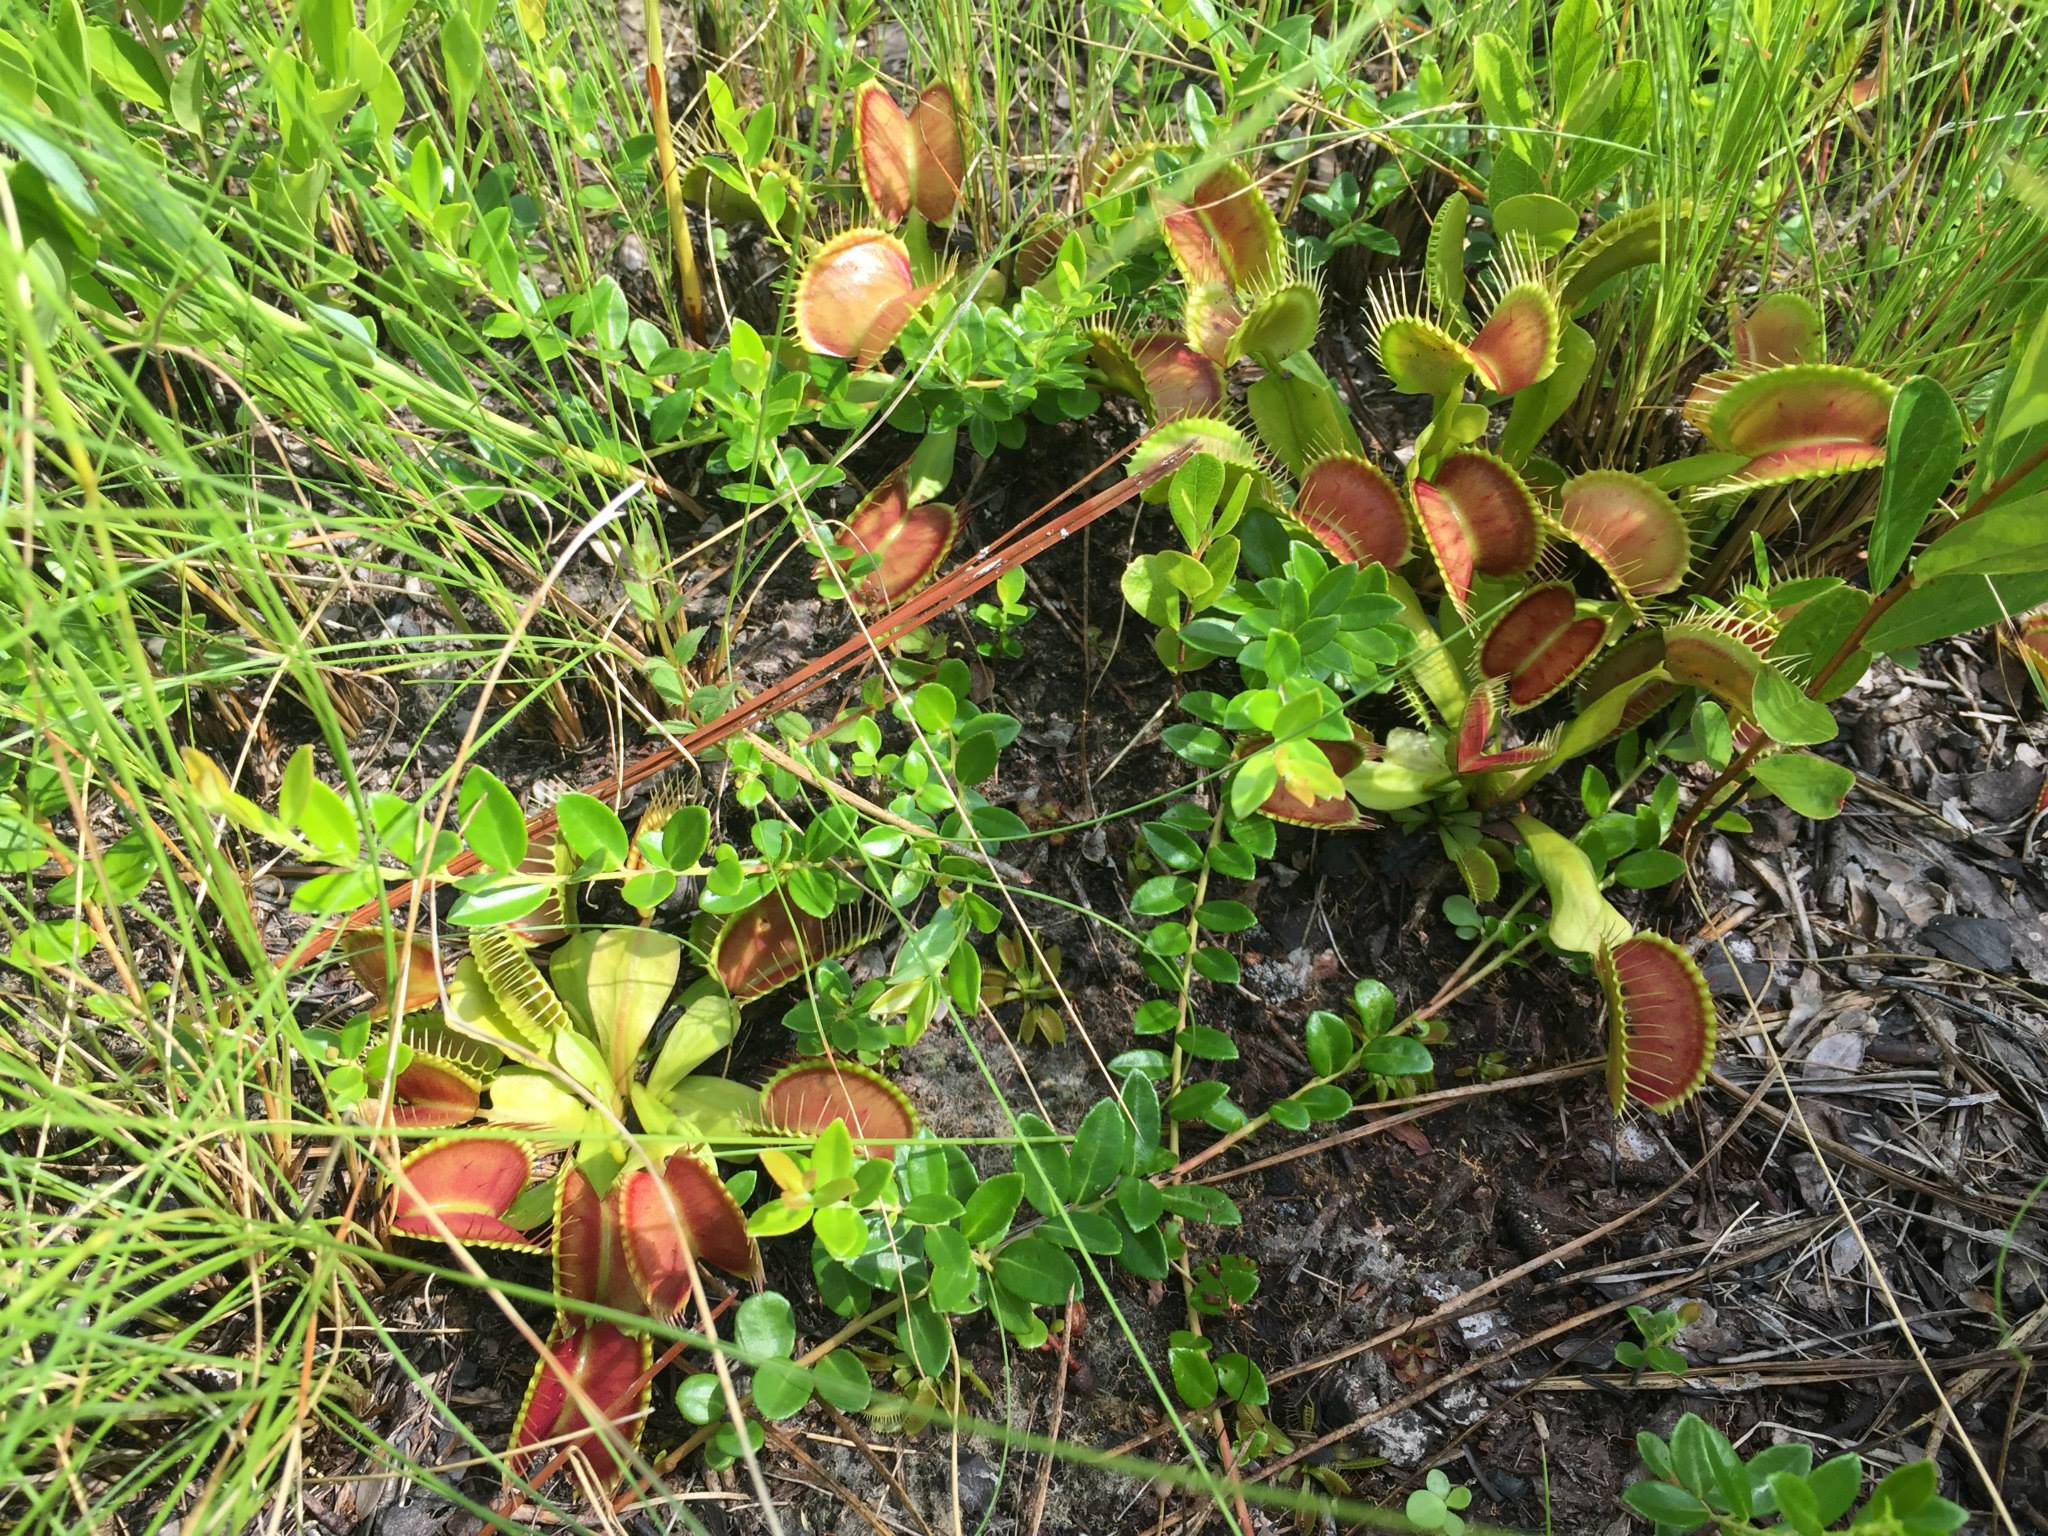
(1738, 770)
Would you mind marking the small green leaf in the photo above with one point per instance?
(1834, 1484)
(1042, 1161)
(929, 1337)
(489, 902)
(1923, 446)
(1666, 1505)
(1787, 715)
(782, 1389)
(1194, 1377)
(843, 1382)
(1329, 1043)
(1100, 1148)
(934, 707)
(592, 829)
(1162, 895)
(686, 836)
(841, 1230)
(991, 1208)
(1373, 1001)
(1812, 786)
(1036, 1271)
(700, 1399)
(1649, 868)
(491, 821)
(1201, 1202)
(1396, 1056)
(1225, 916)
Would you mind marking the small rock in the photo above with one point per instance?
(419, 1519)
(2005, 794)
(1482, 1329)
(1972, 941)
(1750, 978)
(1836, 1056)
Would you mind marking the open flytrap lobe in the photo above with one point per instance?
(855, 294)
(772, 942)
(465, 1186)
(1539, 643)
(1478, 518)
(806, 1097)
(914, 162)
(1248, 294)
(1785, 410)
(683, 1213)
(1661, 1023)
(1354, 511)
(1166, 374)
(1635, 532)
(594, 1363)
(1300, 806)
(441, 1080)
(901, 543)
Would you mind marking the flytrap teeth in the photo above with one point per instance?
(1518, 344)
(1632, 239)
(766, 946)
(1478, 519)
(465, 1185)
(681, 1214)
(909, 543)
(1801, 421)
(1321, 813)
(1631, 529)
(1211, 317)
(529, 1004)
(1483, 712)
(1780, 328)
(1387, 300)
(1219, 434)
(1539, 643)
(1698, 408)
(1168, 376)
(805, 1097)
(1223, 231)
(437, 1092)
(1662, 1027)
(1179, 380)
(589, 1244)
(1355, 511)
(606, 1364)
(2027, 638)
(1417, 354)
(1281, 316)
(909, 161)
(1122, 168)
(1720, 652)
(855, 294)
